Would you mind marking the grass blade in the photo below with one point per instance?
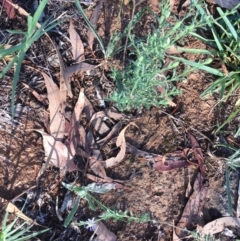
(230, 118)
(81, 11)
(72, 213)
(201, 66)
(226, 20)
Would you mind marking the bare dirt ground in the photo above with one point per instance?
(160, 194)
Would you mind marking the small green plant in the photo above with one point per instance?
(17, 52)
(84, 192)
(9, 233)
(144, 83)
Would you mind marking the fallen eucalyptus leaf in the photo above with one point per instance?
(57, 154)
(76, 42)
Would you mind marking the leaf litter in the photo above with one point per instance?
(59, 155)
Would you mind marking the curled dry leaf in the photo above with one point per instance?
(104, 234)
(191, 215)
(121, 142)
(110, 135)
(57, 154)
(76, 42)
(220, 224)
(57, 120)
(93, 20)
(9, 8)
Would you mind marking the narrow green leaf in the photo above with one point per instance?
(230, 118)
(37, 15)
(200, 65)
(228, 23)
(72, 213)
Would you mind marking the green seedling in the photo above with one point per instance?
(84, 192)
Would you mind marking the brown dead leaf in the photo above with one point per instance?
(93, 20)
(220, 224)
(76, 42)
(57, 120)
(197, 153)
(10, 10)
(98, 168)
(104, 234)
(57, 154)
(74, 135)
(121, 142)
(192, 211)
(97, 124)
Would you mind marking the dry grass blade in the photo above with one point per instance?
(104, 234)
(121, 142)
(77, 45)
(93, 20)
(74, 136)
(57, 120)
(57, 154)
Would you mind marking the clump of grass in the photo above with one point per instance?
(9, 233)
(139, 83)
(16, 53)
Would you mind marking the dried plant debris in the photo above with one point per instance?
(76, 42)
(93, 20)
